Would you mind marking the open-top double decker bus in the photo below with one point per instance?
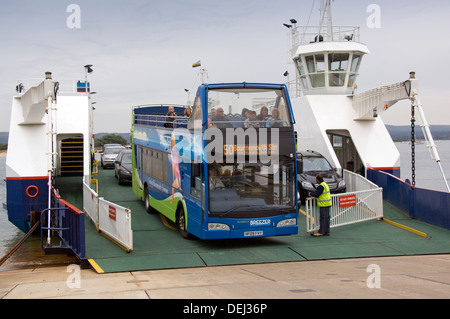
(220, 176)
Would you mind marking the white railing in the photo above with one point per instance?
(90, 201)
(353, 207)
(356, 182)
(109, 218)
(369, 103)
(310, 34)
(294, 88)
(115, 222)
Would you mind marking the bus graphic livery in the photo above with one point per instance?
(215, 175)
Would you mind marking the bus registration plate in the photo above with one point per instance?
(253, 233)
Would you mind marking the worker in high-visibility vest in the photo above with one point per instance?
(323, 196)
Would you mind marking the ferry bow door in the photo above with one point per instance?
(345, 151)
(71, 155)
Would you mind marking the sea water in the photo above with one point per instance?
(427, 171)
(9, 234)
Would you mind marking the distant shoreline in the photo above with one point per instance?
(2, 153)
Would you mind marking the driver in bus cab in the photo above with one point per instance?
(214, 180)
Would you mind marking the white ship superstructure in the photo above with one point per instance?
(327, 59)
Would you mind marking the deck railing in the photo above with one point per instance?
(67, 227)
(429, 206)
(161, 121)
(363, 202)
(109, 218)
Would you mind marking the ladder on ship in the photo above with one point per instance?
(72, 156)
(370, 103)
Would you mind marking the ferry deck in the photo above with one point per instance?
(158, 245)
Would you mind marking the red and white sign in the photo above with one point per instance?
(112, 212)
(347, 201)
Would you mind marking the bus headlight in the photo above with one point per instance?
(287, 222)
(218, 226)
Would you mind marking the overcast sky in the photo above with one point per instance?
(143, 51)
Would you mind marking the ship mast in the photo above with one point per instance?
(327, 17)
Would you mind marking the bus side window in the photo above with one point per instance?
(196, 179)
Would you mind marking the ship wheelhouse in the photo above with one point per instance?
(329, 67)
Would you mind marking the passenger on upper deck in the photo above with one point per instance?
(264, 114)
(275, 120)
(245, 113)
(170, 120)
(252, 121)
(171, 110)
(187, 112)
(220, 120)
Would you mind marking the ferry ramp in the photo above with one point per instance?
(157, 245)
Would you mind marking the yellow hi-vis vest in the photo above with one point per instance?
(324, 200)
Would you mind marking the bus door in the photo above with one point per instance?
(139, 162)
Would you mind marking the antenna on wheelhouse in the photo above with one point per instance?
(327, 17)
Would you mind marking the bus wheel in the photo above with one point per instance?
(148, 208)
(181, 223)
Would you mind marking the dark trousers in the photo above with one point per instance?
(324, 220)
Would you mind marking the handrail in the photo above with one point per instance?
(48, 228)
(160, 120)
(68, 221)
(182, 121)
(308, 34)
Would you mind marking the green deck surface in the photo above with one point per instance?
(157, 246)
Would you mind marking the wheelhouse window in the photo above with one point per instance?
(356, 61)
(316, 68)
(302, 71)
(338, 66)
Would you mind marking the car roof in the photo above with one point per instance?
(309, 153)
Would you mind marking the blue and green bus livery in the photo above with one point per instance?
(217, 176)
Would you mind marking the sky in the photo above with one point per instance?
(142, 51)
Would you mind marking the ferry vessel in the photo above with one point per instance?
(346, 127)
(52, 178)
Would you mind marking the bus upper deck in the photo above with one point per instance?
(219, 176)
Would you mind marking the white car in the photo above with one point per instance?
(109, 155)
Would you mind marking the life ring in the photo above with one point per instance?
(36, 191)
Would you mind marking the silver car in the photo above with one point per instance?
(109, 155)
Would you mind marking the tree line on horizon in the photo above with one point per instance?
(398, 133)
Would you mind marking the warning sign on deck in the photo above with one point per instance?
(347, 201)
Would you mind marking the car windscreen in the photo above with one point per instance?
(113, 150)
(316, 164)
(126, 158)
